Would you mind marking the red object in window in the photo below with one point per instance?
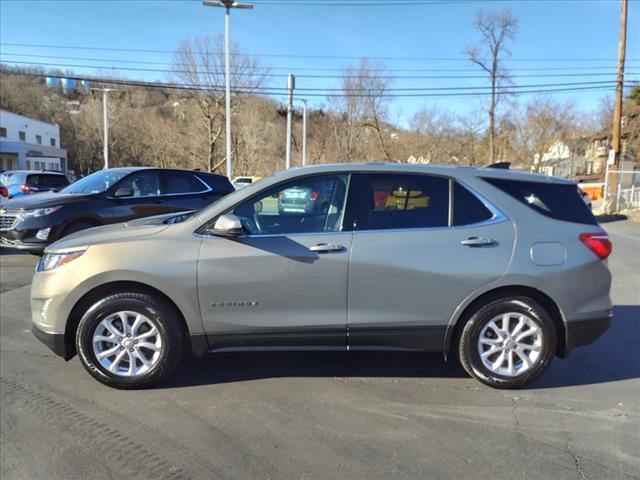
(4, 191)
(279, 194)
(27, 189)
(598, 243)
(314, 196)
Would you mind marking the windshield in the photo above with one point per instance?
(97, 182)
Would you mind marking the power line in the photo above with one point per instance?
(409, 89)
(327, 57)
(312, 69)
(275, 75)
(169, 86)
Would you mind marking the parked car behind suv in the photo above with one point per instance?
(108, 196)
(22, 182)
(503, 270)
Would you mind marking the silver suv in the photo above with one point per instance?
(501, 269)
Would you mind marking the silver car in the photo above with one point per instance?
(500, 269)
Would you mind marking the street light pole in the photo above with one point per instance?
(228, 5)
(105, 122)
(304, 132)
(291, 85)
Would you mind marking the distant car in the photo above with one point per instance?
(21, 182)
(241, 182)
(586, 198)
(30, 223)
(310, 198)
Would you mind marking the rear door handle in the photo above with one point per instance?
(326, 248)
(478, 242)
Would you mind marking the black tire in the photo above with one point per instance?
(468, 350)
(76, 227)
(164, 316)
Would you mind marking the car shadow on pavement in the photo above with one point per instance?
(613, 357)
(243, 366)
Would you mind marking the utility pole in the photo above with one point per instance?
(228, 5)
(105, 122)
(617, 112)
(304, 132)
(291, 85)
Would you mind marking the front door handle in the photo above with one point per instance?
(478, 242)
(326, 248)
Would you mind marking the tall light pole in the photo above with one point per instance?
(291, 85)
(105, 122)
(228, 5)
(304, 132)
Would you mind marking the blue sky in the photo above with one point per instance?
(548, 30)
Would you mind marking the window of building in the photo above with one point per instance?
(39, 139)
(3, 132)
(28, 164)
(389, 201)
(306, 205)
(22, 136)
(52, 142)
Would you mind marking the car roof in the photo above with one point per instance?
(136, 169)
(48, 172)
(434, 169)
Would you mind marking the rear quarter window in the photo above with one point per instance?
(218, 183)
(559, 201)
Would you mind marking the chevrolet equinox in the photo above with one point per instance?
(503, 270)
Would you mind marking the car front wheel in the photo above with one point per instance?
(508, 342)
(130, 340)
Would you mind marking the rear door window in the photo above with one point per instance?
(560, 201)
(394, 201)
(176, 183)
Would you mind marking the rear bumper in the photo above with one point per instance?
(585, 332)
(55, 341)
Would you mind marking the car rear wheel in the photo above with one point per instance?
(508, 342)
(130, 340)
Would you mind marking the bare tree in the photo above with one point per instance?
(199, 64)
(362, 103)
(495, 30)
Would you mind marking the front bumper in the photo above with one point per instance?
(16, 242)
(585, 332)
(55, 341)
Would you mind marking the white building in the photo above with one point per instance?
(565, 158)
(30, 144)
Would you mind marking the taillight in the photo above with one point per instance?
(314, 196)
(26, 189)
(598, 243)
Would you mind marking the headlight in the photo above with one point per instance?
(39, 212)
(49, 261)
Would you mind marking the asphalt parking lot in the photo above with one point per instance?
(324, 415)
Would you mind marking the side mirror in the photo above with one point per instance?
(123, 192)
(227, 226)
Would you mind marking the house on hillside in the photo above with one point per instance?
(598, 151)
(30, 144)
(565, 158)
